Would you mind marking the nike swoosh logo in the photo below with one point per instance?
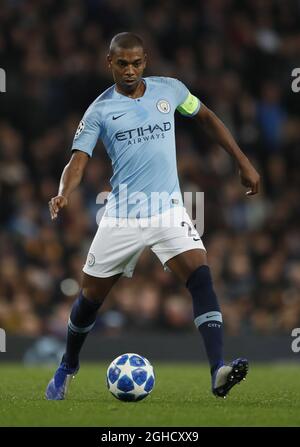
(210, 316)
(119, 116)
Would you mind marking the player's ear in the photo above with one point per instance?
(145, 59)
(108, 59)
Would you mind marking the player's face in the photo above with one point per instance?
(127, 66)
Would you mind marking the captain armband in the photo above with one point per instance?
(190, 106)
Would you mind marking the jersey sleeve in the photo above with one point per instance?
(87, 133)
(187, 104)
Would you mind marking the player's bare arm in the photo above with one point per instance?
(70, 179)
(221, 135)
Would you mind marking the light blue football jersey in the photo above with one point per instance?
(139, 137)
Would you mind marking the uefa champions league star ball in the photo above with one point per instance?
(130, 377)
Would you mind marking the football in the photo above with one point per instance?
(130, 377)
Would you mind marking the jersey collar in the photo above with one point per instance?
(120, 95)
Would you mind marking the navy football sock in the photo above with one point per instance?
(208, 318)
(81, 321)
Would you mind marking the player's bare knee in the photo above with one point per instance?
(93, 293)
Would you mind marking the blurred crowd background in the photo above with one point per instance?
(237, 57)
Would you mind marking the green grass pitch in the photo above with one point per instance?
(269, 397)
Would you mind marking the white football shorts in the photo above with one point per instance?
(119, 242)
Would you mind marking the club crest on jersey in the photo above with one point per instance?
(80, 128)
(163, 106)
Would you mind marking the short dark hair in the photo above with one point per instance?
(125, 40)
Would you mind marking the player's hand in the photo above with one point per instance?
(250, 178)
(56, 204)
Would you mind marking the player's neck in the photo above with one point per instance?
(137, 93)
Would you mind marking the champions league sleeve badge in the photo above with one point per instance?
(80, 128)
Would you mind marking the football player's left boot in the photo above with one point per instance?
(226, 376)
(58, 386)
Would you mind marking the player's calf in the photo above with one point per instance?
(208, 318)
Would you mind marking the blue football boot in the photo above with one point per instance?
(58, 386)
(226, 376)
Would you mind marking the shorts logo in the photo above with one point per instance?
(163, 106)
(90, 260)
(80, 128)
